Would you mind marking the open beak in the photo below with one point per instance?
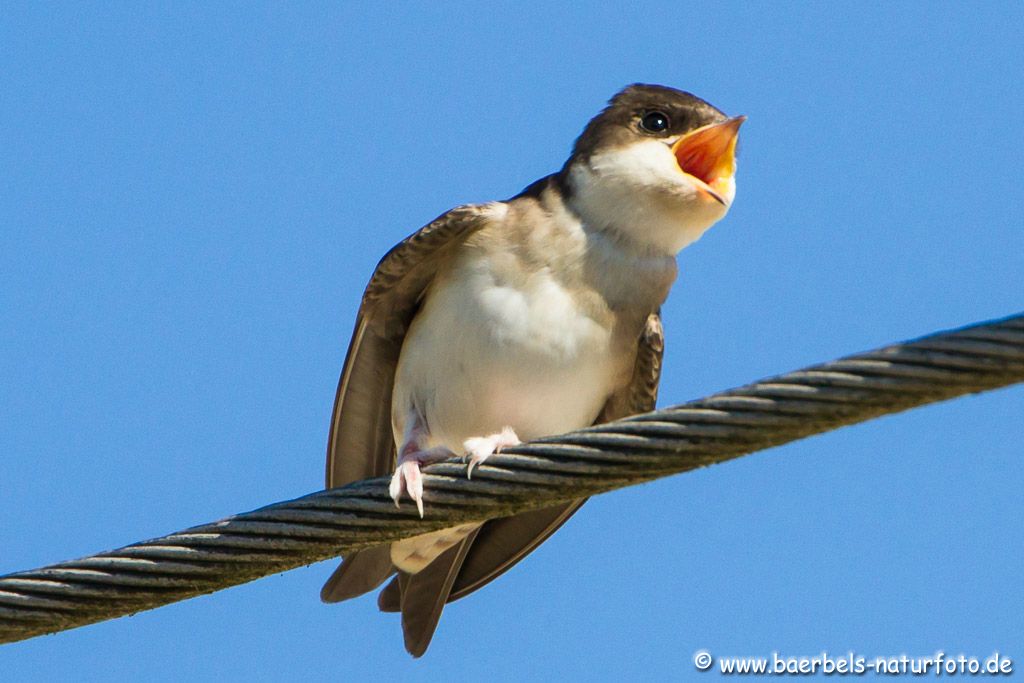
(708, 155)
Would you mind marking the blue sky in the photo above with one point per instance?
(193, 196)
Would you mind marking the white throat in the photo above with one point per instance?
(639, 193)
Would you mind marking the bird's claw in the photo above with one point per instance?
(479, 448)
(407, 477)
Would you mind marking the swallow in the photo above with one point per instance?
(507, 321)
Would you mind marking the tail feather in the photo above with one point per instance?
(424, 594)
(390, 597)
(359, 573)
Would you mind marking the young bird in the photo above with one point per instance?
(520, 319)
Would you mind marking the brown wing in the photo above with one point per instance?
(360, 443)
(640, 395)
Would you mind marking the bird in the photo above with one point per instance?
(508, 321)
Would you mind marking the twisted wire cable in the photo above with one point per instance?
(541, 473)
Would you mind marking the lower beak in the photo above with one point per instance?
(708, 155)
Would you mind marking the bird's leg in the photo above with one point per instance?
(479, 448)
(413, 453)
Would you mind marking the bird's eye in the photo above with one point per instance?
(654, 122)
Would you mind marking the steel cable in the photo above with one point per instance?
(325, 524)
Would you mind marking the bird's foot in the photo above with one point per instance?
(407, 477)
(479, 448)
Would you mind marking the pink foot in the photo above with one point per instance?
(413, 453)
(479, 448)
(407, 475)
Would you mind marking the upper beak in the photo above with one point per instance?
(708, 155)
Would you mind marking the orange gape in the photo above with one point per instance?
(709, 153)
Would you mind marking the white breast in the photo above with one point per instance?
(489, 350)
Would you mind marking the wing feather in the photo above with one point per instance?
(360, 443)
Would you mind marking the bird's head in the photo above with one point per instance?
(656, 167)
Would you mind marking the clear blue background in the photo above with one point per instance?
(192, 197)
